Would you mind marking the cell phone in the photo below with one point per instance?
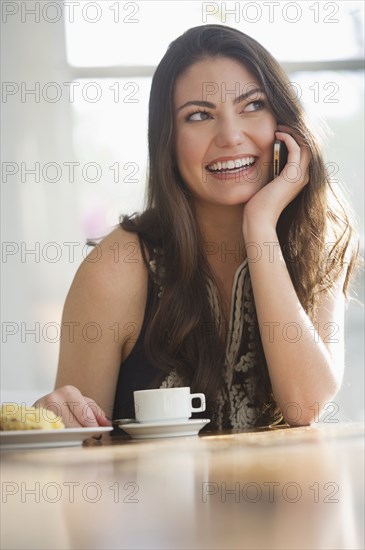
(280, 157)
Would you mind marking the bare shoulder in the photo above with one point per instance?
(102, 316)
(115, 264)
(110, 285)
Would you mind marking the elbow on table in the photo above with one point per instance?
(305, 414)
(297, 414)
(302, 421)
(304, 409)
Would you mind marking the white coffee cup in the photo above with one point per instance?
(166, 404)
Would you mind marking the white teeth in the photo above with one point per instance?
(231, 164)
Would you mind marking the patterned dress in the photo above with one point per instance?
(237, 405)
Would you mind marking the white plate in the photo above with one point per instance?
(152, 430)
(67, 437)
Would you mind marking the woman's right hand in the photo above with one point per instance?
(75, 409)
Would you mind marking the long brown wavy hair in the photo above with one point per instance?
(314, 230)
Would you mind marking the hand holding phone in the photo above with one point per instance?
(280, 157)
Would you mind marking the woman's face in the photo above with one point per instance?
(224, 131)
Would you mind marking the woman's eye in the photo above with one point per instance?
(198, 116)
(254, 106)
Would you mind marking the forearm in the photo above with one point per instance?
(300, 366)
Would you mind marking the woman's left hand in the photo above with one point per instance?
(268, 203)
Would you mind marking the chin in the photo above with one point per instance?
(236, 196)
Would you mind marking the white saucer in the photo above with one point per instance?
(153, 430)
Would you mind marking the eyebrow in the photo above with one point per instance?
(210, 105)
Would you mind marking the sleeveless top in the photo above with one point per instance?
(236, 405)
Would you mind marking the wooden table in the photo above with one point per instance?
(294, 488)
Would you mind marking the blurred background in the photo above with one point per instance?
(75, 85)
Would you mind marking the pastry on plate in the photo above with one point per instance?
(20, 417)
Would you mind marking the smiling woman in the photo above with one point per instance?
(236, 276)
(211, 137)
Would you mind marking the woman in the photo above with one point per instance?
(231, 281)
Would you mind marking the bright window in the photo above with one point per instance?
(138, 33)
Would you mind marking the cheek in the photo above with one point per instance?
(188, 150)
(268, 134)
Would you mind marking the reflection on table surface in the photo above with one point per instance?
(287, 488)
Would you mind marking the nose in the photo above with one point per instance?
(230, 132)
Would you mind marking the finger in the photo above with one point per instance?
(103, 419)
(296, 169)
(305, 157)
(85, 413)
(97, 412)
(79, 413)
(302, 144)
(78, 416)
(71, 420)
(78, 409)
(291, 132)
(291, 143)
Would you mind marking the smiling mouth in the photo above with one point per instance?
(231, 166)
